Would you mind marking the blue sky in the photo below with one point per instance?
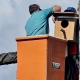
(13, 16)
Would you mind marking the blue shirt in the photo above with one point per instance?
(38, 24)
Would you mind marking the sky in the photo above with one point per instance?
(13, 17)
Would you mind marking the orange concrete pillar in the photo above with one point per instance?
(40, 58)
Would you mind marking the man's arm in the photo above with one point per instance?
(50, 11)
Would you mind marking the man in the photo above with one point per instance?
(38, 24)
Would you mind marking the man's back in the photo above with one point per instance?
(37, 24)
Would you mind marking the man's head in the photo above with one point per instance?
(34, 8)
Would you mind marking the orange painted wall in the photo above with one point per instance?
(35, 55)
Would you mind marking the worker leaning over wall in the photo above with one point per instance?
(38, 24)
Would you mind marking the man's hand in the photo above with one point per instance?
(57, 8)
(53, 19)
